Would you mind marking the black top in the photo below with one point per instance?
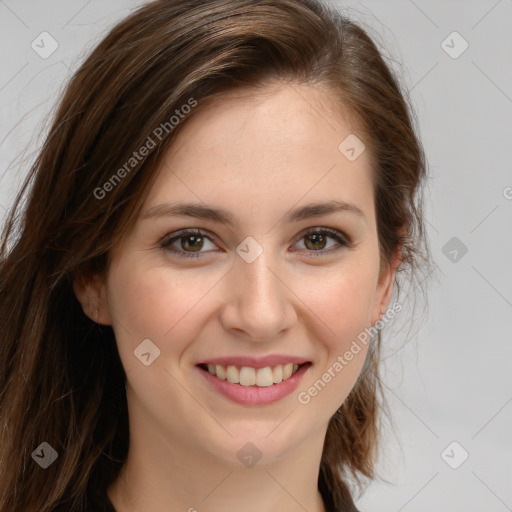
(101, 503)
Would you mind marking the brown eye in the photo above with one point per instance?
(186, 244)
(192, 242)
(317, 241)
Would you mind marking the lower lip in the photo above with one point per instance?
(254, 395)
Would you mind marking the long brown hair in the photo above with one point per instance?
(61, 378)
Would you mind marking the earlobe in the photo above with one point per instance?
(88, 291)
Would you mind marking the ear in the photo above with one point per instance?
(91, 293)
(385, 286)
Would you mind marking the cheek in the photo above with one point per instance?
(342, 305)
(155, 304)
(342, 301)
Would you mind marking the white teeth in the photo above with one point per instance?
(247, 376)
(221, 374)
(264, 377)
(287, 371)
(232, 374)
(277, 374)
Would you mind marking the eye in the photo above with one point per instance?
(316, 240)
(192, 240)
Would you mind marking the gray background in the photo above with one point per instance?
(448, 378)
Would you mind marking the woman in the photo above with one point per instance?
(191, 306)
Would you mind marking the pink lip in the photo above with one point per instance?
(254, 395)
(255, 362)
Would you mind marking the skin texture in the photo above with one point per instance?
(259, 158)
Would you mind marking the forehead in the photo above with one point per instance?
(275, 148)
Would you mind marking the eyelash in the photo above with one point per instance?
(167, 242)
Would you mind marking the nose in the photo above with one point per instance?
(258, 303)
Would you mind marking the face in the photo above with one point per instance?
(269, 283)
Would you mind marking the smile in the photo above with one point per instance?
(248, 376)
(254, 386)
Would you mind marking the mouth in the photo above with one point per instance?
(254, 386)
(248, 376)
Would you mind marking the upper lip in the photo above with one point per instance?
(255, 362)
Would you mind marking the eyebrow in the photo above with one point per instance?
(202, 211)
